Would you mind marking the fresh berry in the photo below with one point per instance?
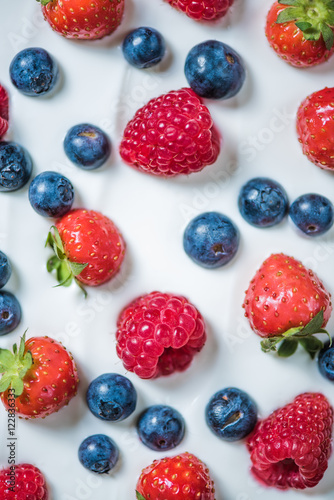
(83, 19)
(87, 146)
(144, 47)
(183, 477)
(263, 202)
(4, 111)
(34, 72)
(326, 360)
(291, 448)
(51, 194)
(87, 246)
(161, 427)
(98, 453)
(285, 301)
(173, 134)
(22, 482)
(5, 269)
(158, 334)
(312, 213)
(315, 128)
(111, 397)
(231, 414)
(15, 166)
(214, 70)
(42, 375)
(211, 240)
(10, 313)
(300, 31)
(202, 10)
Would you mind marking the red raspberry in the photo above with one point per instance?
(202, 10)
(159, 334)
(291, 448)
(173, 134)
(3, 111)
(29, 483)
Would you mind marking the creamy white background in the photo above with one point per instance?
(99, 87)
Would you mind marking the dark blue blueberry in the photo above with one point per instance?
(312, 213)
(231, 414)
(263, 202)
(214, 70)
(10, 312)
(326, 361)
(144, 47)
(51, 194)
(98, 453)
(15, 166)
(34, 72)
(87, 146)
(111, 397)
(211, 240)
(5, 269)
(160, 427)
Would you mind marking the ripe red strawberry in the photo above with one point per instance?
(291, 448)
(183, 477)
(173, 134)
(287, 301)
(315, 128)
(88, 246)
(84, 19)
(22, 482)
(202, 10)
(300, 31)
(41, 375)
(159, 334)
(3, 111)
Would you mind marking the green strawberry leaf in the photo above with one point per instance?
(289, 14)
(270, 343)
(6, 359)
(14, 366)
(5, 382)
(303, 25)
(139, 496)
(287, 348)
(52, 263)
(77, 268)
(17, 385)
(289, 2)
(314, 325)
(312, 345)
(327, 35)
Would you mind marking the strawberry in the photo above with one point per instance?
(202, 10)
(41, 375)
(183, 477)
(173, 134)
(22, 482)
(291, 448)
(285, 301)
(315, 128)
(83, 19)
(3, 111)
(300, 31)
(88, 247)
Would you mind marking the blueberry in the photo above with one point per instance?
(326, 361)
(111, 397)
(312, 213)
(231, 414)
(160, 427)
(51, 194)
(211, 240)
(87, 146)
(15, 166)
(214, 70)
(98, 453)
(10, 312)
(263, 202)
(5, 269)
(34, 72)
(144, 47)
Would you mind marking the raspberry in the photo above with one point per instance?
(291, 448)
(206, 10)
(159, 334)
(173, 134)
(3, 111)
(29, 483)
